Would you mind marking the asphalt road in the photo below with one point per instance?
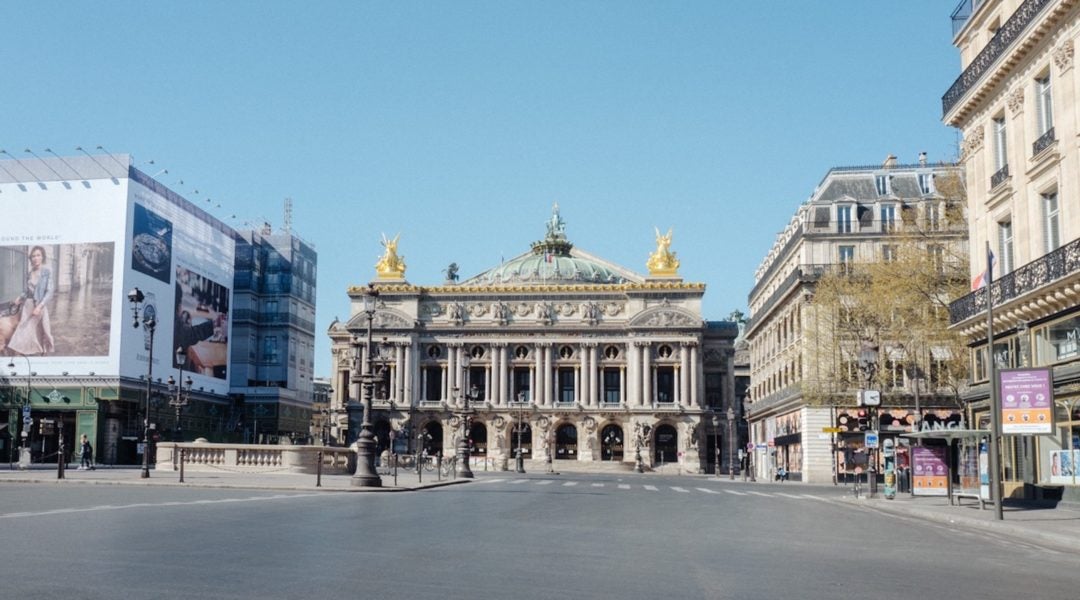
(534, 537)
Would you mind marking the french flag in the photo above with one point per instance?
(549, 257)
(986, 277)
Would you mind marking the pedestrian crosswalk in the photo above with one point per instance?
(622, 487)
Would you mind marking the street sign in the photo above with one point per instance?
(26, 410)
(831, 430)
(761, 446)
(871, 439)
(27, 420)
(749, 445)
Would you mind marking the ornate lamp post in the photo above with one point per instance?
(24, 404)
(868, 359)
(181, 393)
(519, 459)
(366, 476)
(149, 323)
(641, 435)
(716, 443)
(731, 442)
(463, 453)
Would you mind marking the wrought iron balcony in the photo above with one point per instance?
(998, 178)
(1049, 268)
(1010, 32)
(1044, 142)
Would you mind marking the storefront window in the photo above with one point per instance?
(1006, 355)
(1058, 341)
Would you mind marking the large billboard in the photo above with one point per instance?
(59, 268)
(182, 260)
(1027, 401)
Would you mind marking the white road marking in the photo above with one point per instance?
(734, 492)
(519, 481)
(813, 497)
(789, 495)
(496, 480)
(598, 485)
(651, 488)
(682, 490)
(760, 494)
(707, 490)
(543, 482)
(110, 507)
(570, 484)
(623, 486)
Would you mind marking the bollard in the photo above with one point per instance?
(438, 467)
(318, 470)
(395, 469)
(182, 452)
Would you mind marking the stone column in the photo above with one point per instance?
(595, 375)
(582, 388)
(646, 375)
(684, 375)
(538, 375)
(408, 375)
(549, 397)
(632, 375)
(695, 376)
(451, 380)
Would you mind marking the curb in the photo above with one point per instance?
(1057, 541)
(233, 486)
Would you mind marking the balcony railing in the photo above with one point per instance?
(998, 178)
(1049, 268)
(1045, 140)
(1012, 30)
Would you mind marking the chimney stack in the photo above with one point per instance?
(890, 162)
(922, 159)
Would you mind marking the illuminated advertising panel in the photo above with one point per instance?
(182, 260)
(929, 470)
(59, 263)
(1027, 401)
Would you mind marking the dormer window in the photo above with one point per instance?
(926, 183)
(843, 218)
(883, 184)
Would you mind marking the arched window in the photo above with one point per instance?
(611, 443)
(566, 442)
(611, 352)
(666, 444)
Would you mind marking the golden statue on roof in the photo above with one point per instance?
(390, 266)
(663, 263)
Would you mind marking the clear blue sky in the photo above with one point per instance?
(458, 124)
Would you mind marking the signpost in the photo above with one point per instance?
(888, 450)
(871, 439)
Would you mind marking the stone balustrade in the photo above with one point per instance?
(254, 458)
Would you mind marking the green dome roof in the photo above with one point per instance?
(551, 261)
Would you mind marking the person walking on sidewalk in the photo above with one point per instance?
(87, 455)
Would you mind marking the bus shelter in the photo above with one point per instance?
(963, 459)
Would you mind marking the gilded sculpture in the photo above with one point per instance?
(663, 263)
(390, 266)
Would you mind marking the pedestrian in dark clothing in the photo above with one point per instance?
(87, 454)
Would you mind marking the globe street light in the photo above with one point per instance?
(366, 475)
(731, 442)
(23, 403)
(149, 323)
(181, 394)
(463, 454)
(716, 443)
(868, 360)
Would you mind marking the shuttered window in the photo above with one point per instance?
(1000, 149)
(1051, 221)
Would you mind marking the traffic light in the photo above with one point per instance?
(864, 421)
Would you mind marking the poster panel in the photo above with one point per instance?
(930, 475)
(1065, 467)
(1027, 401)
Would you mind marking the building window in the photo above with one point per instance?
(937, 257)
(566, 385)
(665, 385)
(433, 384)
(1051, 221)
(521, 352)
(843, 219)
(477, 380)
(611, 352)
(1005, 246)
(888, 217)
(847, 257)
(1058, 341)
(883, 185)
(522, 392)
(1000, 145)
(612, 386)
(926, 183)
(1044, 105)
(888, 253)
(566, 352)
(933, 216)
(270, 349)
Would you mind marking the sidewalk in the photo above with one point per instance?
(1055, 526)
(46, 474)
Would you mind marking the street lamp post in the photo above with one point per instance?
(731, 442)
(519, 460)
(641, 435)
(716, 444)
(868, 359)
(463, 453)
(366, 475)
(24, 404)
(149, 323)
(181, 393)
